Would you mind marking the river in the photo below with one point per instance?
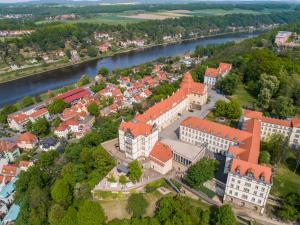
(12, 91)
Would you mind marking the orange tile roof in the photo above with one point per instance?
(211, 72)
(296, 122)
(136, 128)
(285, 123)
(161, 152)
(253, 114)
(259, 115)
(39, 112)
(224, 67)
(19, 118)
(25, 163)
(216, 129)
(7, 146)
(246, 152)
(9, 170)
(258, 171)
(187, 86)
(27, 138)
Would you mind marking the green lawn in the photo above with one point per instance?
(107, 19)
(242, 96)
(219, 12)
(285, 181)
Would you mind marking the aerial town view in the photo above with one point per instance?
(149, 112)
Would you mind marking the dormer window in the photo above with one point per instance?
(250, 173)
(262, 178)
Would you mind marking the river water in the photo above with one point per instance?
(12, 91)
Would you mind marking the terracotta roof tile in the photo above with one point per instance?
(258, 171)
(136, 128)
(161, 152)
(27, 138)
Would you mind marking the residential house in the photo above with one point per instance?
(213, 74)
(27, 141)
(161, 158)
(48, 144)
(9, 151)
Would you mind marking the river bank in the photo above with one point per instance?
(54, 66)
(11, 92)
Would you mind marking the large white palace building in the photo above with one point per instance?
(248, 182)
(137, 137)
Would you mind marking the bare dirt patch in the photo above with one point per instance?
(180, 11)
(156, 16)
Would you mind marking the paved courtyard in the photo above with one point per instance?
(172, 131)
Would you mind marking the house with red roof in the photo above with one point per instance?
(8, 173)
(161, 158)
(9, 150)
(71, 127)
(27, 141)
(18, 121)
(24, 165)
(213, 74)
(104, 47)
(73, 96)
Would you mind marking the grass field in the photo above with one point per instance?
(285, 181)
(134, 16)
(114, 205)
(242, 96)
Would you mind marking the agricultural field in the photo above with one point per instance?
(138, 16)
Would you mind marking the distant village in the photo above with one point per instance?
(287, 39)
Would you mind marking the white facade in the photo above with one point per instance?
(213, 143)
(210, 81)
(244, 190)
(136, 147)
(161, 167)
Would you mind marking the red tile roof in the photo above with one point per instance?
(259, 115)
(19, 118)
(160, 153)
(25, 163)
(136, 128)
(212, 72)
(73, 95)
(216, 129)
(10, 170)
(224, 67)
(296, 122)
(27, 137)
(187, 86)
(39, 113)
(258, 171)
(7, 146)
(246, 152)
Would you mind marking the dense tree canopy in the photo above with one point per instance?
(201, 171)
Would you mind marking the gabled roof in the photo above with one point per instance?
(211, 72)
(161, 152)
(27, 138)
(39, 113)
(19, 118)
(10, 170)
(224, 67)
(258, 171)
(74, 94)
(7, 146)
(136, 128)
(24, 163)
